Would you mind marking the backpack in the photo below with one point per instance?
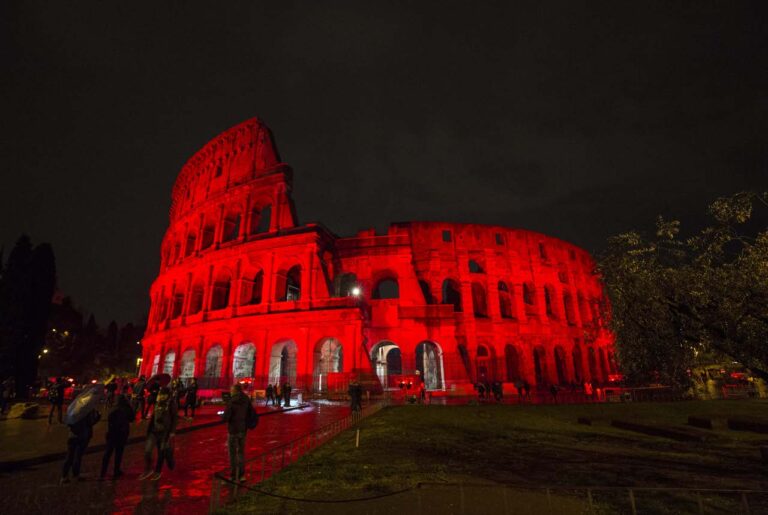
(251, 417)
(53, 393)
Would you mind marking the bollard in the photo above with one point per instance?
(632, 502)
(357, 439)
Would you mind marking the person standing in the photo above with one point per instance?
(138, 396)
(56, 398)
(154, 389)
(118, 429)
(237, 414)
(278, 394)
(111, 388)
(80, 434)
(287, 395)
(190, 399)
(270, 394)
(160, 434)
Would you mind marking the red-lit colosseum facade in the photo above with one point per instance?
(245, 292)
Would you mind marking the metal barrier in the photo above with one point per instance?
(266, 464)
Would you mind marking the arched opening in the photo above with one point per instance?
(252, 288)
(425, 291)
(540, 365)
(213, 361)
(155, 364)
(387, 289)
(282, 362)
(593, 370)
(189, 249)
(570, 314)
(288, 284)
(344, 284)
(221, 289)
(231, 227)
(548, 296)
(178, 304)
(512, 359)
(329, 364)
(243, 361)
(474, 267)
(578, 367)
(560, 366)
(187, 367)
(209, 232)
(196, 301)
(387, 362)
(529, 299)
(429, 363)
(479, 301)
(505, 301)
(452, 294)
(170, 361)
(261, 218)
(485, 363)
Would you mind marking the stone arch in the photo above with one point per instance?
(386, 288)
(244, 361)
(328, 360)
(169, 362)
(177, 303)
(479, 300)
(222, 287)
(529, 299)
(506, 306)
(252, 288)
(560, 365)
(452, 294)
(190, 246)
(387, 362)
(570, 313)
(197, 297)
(261, 218)
(288, 284)
(155, 364)
(485, 363)
(512, 361)
(283, 362)
(187, 366)
(540, 365)
(429, 363)
(213, 361)
(475, 268)
(578, 366)
(426, 292)
(208, 233)
(549, 301)
(231, 226)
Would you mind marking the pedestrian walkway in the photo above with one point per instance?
(185, 490)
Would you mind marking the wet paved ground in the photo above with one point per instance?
(185, 490)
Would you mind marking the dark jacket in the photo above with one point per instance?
(236, 414)
(82, 430)
(119, 421)
(191, 392)
(164, 419)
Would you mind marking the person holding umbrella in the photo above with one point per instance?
(160, 434)
(82, 415)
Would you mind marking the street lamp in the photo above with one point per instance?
(356, 291)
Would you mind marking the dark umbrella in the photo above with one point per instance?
(87, 401)
(162, 379)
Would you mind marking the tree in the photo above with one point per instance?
(679, 301)
(26, 288)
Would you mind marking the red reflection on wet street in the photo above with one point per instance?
(199, 454)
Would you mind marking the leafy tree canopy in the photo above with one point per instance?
(682, 301)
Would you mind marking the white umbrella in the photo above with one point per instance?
(87, 401)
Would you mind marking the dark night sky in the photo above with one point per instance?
(578, 121)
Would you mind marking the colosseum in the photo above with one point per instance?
(247, 293)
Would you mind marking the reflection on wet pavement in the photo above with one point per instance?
(185, 490)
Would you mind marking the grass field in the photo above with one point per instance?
(529, 447)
